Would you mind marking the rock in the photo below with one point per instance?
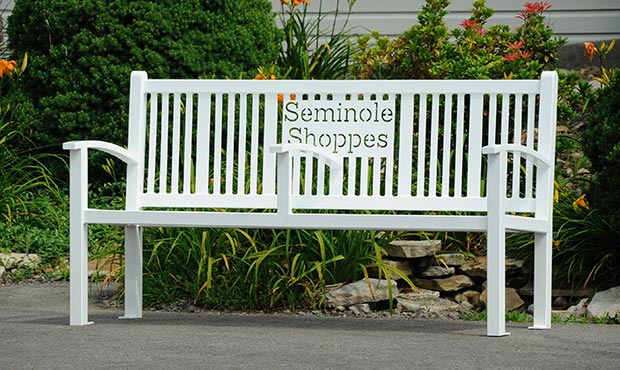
(363, 291)
(513, 300)
(15, 260)
(478, 267)
(473, 297)
(418, 294)
(419, 264)
(559, 303)
(437, 272)
(360, 309)
(605, 303)
(402, 265)
(580, 309)
(466, 306)
(450, 259)
(2, 271)
(449, 284)
(528, 291)
(530, 309)
(560, 314)
(413, 248)
(425, 304)
(460, 298)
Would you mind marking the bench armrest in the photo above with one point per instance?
(333, 160)
(532, 155)
(112, 149)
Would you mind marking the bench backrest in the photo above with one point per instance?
(405, 144)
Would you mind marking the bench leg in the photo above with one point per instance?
(133, 272)
(78, 289)
(496, 282)
(78, 239)
(542, 281)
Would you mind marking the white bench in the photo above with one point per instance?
(428, 155)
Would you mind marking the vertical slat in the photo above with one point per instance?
(434, 141)
(406, 144)
(516, 163)
(492, 119)
(530, 132)
(255, 127)
(217, 147)
(203, 143)
(505, 119)
(176, 143)
(163, 147)
(447, 137)
(389, 175)
(351, 176)
(548, 115)
(459, 146)
(243, 102)
(136, 139)
(364, 174)
(152, 143)
(270, 138)
(309, 174)
(187, 146)
(386, 164)
(421, 146)
(474, 157)
(230, 144)
(376, 176)
(296, 175)
(320, 178)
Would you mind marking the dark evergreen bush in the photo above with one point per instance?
(601, 144)
(82, 52)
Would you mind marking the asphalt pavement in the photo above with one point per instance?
(35, 334)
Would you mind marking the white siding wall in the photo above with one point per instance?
(6, 6)
(579, 20)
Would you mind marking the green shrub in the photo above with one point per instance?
(312, 49)
(30, 220)
(585, 249)
(82, 53)
(430, 50)
(601, 144)
(255, 269)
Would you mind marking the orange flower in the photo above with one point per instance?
(295, 2)
(281, 97)
(581, 202)
(590, 49)
(7, 67)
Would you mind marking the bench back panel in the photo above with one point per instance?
(405, 145)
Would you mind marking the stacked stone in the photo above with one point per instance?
(13, 261)
(445, 282)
